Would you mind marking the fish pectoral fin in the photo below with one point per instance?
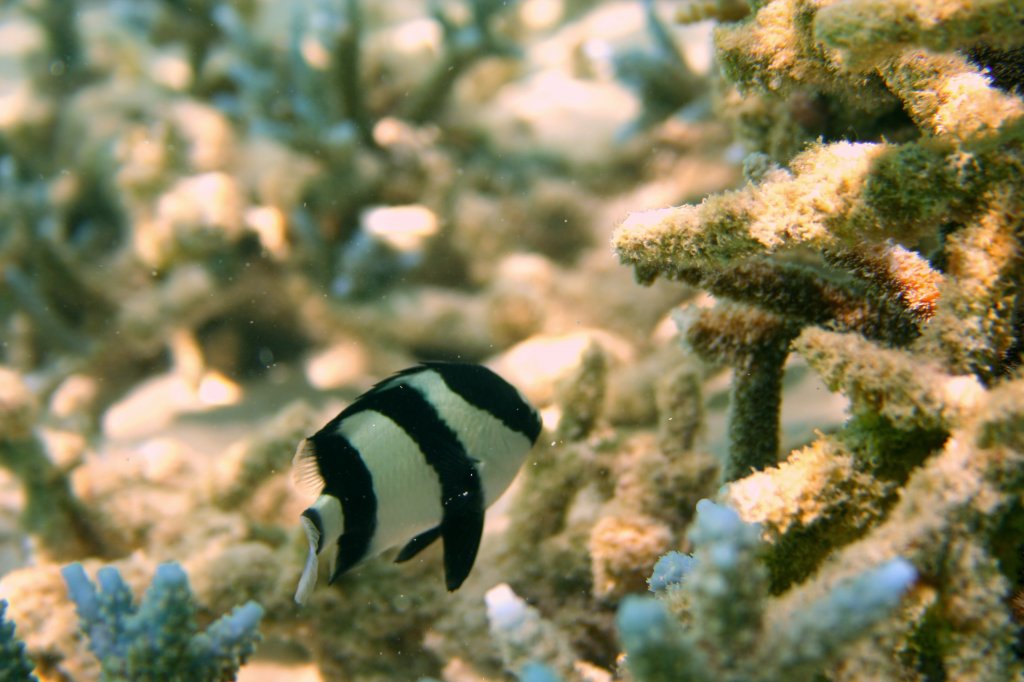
(306, 469)
(461, 527)
(418, 544)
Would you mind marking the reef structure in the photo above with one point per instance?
(888, 254)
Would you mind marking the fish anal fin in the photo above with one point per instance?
(418, 544)
(461, 528)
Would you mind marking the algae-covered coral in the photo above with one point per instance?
(220, 221)
(890, 252)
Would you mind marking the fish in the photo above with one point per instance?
(416, 458)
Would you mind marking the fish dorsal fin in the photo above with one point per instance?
(306, 470)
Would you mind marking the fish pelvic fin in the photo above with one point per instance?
(418, 544)
(309, 572)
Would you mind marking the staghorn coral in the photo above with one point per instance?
(159, 638)
(866, 208)
(897, 267)
(732, 634)
(464, 43)
(755, 344)
(181, 208)
(867, 32)
(663, 78)
(582, 395)
(179, 192)
(523, 636)
(722, 10)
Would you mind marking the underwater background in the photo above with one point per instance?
(757, 263)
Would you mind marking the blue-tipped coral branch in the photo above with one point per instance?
(159, 638)
(723, 589)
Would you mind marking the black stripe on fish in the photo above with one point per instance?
(462, 497)
(347, 478)
(483, 389)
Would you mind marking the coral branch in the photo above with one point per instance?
(159, 639)
(464, 45)
(52, 512)
(728, 636)
(820, 630)
(900, 274)
(523, 636)
(838, 194)
(949, 96)
(347, 50)
(868, 31)
(898, 385)
(806, 296)
(756, 345)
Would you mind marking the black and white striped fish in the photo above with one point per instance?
(416, 458)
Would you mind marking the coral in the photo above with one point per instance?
(523, 636)
(621, 547)
(225, 218)
(464, 44)
(852, 202)
(52, 512)
(670, 570)
(867, 32)
(582, 395)
(248, 463)
(722, 10)
(537, 672)
(817, 499)
(732, 636)
(887, 254)
(159, 636)
(756, 345)
(678, 399)
(14, 665)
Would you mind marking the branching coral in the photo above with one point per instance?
(662, 77)
(870, 209)
(896, 266)
(755, 344)
(53, 513)
(523, 636)
(464, 44)
(722, 592)
(159, 638)
(185, 184)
